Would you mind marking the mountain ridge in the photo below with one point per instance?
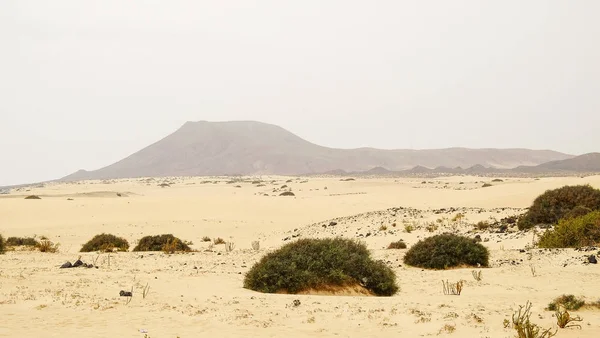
(248, 148)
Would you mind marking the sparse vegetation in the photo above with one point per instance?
(21, 241)
(2, 245)
(573, 232)
(397, 245)
(255, 245)
(409, 228)
(554, 205)
(229, 246)
(219, 240)
(383, 228)
(165, 242)
(525, 328)
(477, 275)
(446, 251)
(320, 263)
(452, 288)
(105, 243)
(206, 239)
(482, 225)
(564, 319)
(48, 246)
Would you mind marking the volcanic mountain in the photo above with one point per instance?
(252, 148)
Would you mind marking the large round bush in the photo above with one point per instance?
(573, 232)
(554, 205)
(106, 243)
(313, 264)
(446, 251)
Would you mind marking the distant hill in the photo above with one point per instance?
(254, 148)
(583, 163)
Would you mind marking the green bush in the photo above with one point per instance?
(573, 232)
(21, 241)
(320, 263)
(446, 251)
(1, 244)
(570, 303)
(165, 242)
(554, 205)
(106, 243)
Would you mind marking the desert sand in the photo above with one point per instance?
(200, 294)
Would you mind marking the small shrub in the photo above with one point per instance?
(383, 228)
(164, 242)
(206, 239)
(573, 233)
(287, 193)
(320, 263)
(497, 180)
(569, 302)
(485, 185)
(409, 228)
(521, 321)
(554, 205)
(564, 319)
(33, 197)
(458, 217)
(255, 245)
(47, 246)
(2, 245)
(431, 227)
(21, 241)
(446, 251)
(482, 225)
(397, 245)
(229, 246)
(477, 275)
(105, 243)
(219, 240)
(453, 289)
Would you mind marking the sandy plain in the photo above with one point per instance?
(200, 294)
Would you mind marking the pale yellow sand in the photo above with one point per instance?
(200, 294)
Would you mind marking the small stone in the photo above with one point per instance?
(592, 259)
(66, 265)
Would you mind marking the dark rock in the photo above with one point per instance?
(592, 259)
(66, 265)
(332, 224)
(477, 238)
(125, 294)
(297, 302)
(77, 263)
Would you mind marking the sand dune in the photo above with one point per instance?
(201, 294)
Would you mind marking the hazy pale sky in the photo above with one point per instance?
(86, 83)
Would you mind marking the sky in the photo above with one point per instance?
(84, 84)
